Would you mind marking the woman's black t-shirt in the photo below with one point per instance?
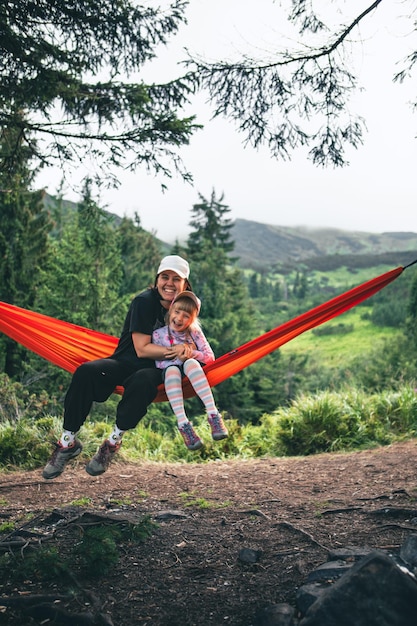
(145, 315)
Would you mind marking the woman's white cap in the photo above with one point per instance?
(176, 264)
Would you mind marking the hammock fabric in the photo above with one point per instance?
(68, 345)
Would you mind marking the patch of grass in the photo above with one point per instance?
(121, 501)
(190, 499)
(22, 444)
(97, 550)
(143, 494)
(326, 421)
(84, 501)
(321, 506)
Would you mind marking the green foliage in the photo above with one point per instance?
(326, 421)
(211, 227)
(140, 256)
(226, 313)
(70, 74)
(92, 556)
(84, 501)
(81, 283)
(43, 564)
(389, 314)
(7, 527)
(335, 329)
(333, 421)
(17, 402)
(22, 445)
(316, 424)
(98, 549)
(191, 499)
(412, 313)
(296, 95)
(97, 552)
(389, 364)
(23, 235)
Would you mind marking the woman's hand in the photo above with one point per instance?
(182, 351)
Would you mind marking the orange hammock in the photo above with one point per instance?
(68, 345)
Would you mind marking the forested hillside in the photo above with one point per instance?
(93, 262)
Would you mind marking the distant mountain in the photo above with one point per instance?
(264, 246)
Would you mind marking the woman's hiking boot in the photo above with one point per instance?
(218, 429)
(101, 460)
(191, 439)
(60, 458)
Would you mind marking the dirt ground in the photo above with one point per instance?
(287, 511)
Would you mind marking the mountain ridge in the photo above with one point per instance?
(261, 246)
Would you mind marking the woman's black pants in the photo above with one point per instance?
(95, 381)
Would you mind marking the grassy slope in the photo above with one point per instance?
(334, 350)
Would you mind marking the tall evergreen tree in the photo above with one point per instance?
(82, 281)
(226, 314)
(211, 226)
(253, 285)
(23, 235)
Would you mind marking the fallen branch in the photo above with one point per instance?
(255, 512)
(303, 532)
(19, 601)
(345, 510)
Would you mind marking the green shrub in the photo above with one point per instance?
(398, 410)
(333, 329)
(41, 564)
(96, 552)
(23, 445)
(332, 421)
(16, 402)
(316, 424)
(323, 422)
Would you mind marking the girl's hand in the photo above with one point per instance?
(185, 351)
(188, 351)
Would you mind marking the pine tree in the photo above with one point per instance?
(23, 236)
(296, 96)
(226, 312)
(82, 281)
(211, 226)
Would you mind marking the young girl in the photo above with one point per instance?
(183, 327)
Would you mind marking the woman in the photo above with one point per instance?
(132, 365)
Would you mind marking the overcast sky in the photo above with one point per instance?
(375, 193)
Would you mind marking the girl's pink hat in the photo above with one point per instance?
(191, 295)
